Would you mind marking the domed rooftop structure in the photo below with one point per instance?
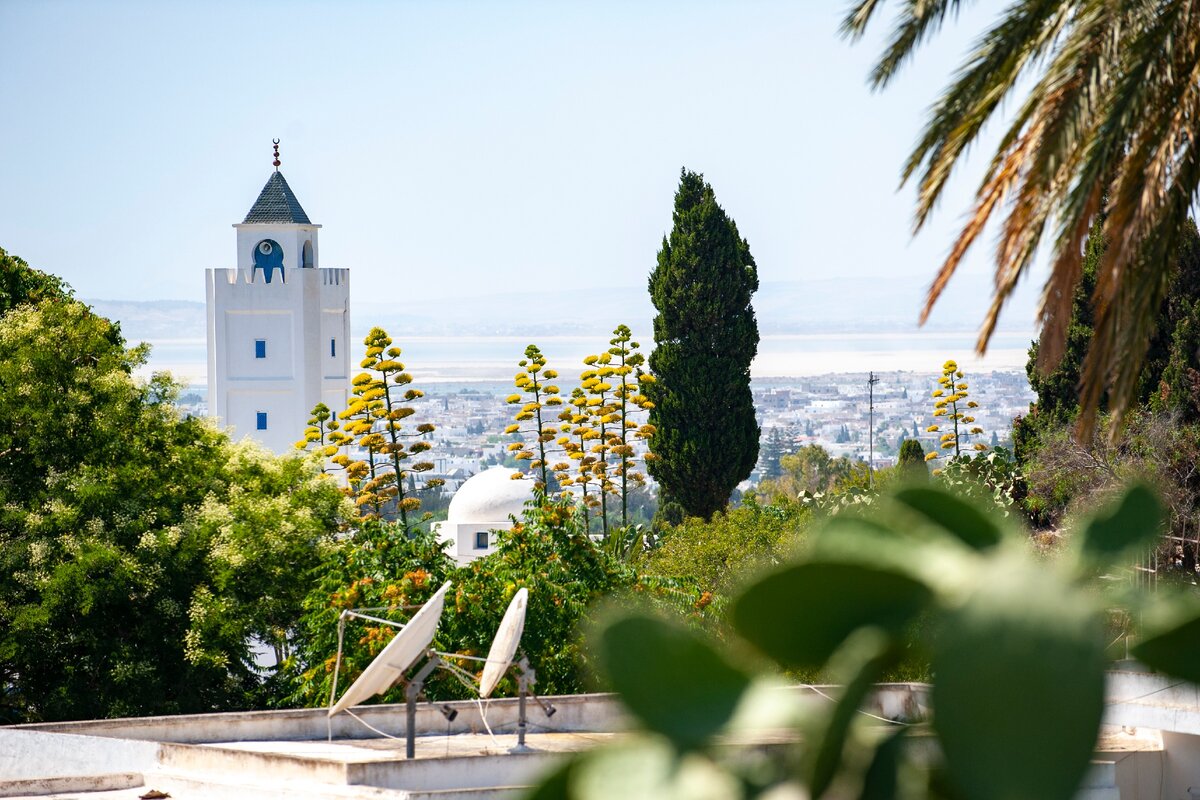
(490, 498)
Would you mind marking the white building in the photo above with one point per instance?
(278, 325)
(484, 503)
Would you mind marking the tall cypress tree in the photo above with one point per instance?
(705, 336)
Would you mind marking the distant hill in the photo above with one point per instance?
(830, 305)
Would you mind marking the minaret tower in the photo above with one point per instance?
(278, 325)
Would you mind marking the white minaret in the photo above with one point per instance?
(278, 325)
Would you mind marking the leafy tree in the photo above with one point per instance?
(810, 470)
(530, 420)
(773, 451)
(717, 554)
(136, 546)
(706, 436)
(1106, 130)
(21, 283)
(911, 460)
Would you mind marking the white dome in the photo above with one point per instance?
(490, 497)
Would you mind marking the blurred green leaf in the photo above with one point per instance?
(857, 665)
(882, 781)
(1020, 685)
(801, 614)
(649, 769)
(965, 521)
(669, 678)
(1132, 521)
(556, 784)
(1171, 640)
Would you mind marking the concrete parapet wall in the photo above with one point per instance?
(31, 755)
(581, 712)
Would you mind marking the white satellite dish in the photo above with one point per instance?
(400, 654)
(504, 646)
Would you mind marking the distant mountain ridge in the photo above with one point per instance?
(831, 305)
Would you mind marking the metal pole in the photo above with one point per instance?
(411, 693)
(871, 381)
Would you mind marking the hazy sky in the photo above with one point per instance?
(459, 147)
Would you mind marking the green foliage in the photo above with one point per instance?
(705, 334)
(850, 604)
(548, 552)
(1168, 379)
(139, 551)
(810, 470)
(911, 461)
(773, 451)
(1064, 476)
(381, 566)
(717, 553)
(21, 284)
(987, 478)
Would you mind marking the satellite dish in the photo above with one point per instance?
(400, 654)
(504, 646)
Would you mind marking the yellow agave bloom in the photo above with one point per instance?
(972, 404)
(948, 437)
(939, 412)
(550, 375)
(932, 429)
(512, 429)
(980, 447)
(947, 445)
(968, 419)
(962, 386)
(937, 472)
(950, 365)
(513, 398)
(937, 393)
(976, 430)
(647, 378)
(959, 373)
(941, 403)
(931, 456)
(589, 360)
(550, 389)
(944, 381)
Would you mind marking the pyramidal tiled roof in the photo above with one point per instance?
(277, 203)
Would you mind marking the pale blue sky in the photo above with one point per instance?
(455, 146)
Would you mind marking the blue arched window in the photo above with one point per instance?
(268, 257)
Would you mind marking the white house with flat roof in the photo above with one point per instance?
(278, 324)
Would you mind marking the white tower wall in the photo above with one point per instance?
(303, 320)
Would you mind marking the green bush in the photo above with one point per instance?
(717, 553)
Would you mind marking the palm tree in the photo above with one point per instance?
(1110, 128)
